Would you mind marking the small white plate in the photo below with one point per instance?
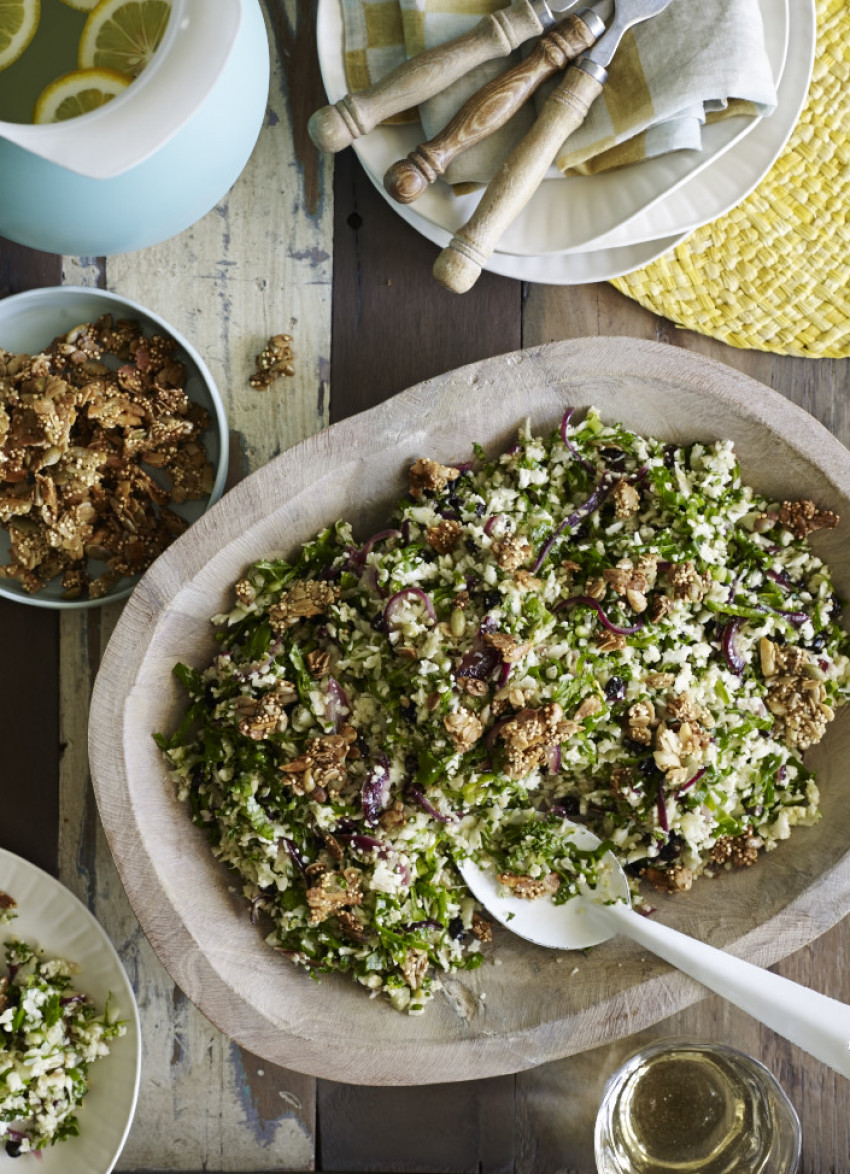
(645, 237)
(28, 323)
(50, 916)
(598, 204)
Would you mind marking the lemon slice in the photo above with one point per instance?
(81, 5)
(18, 22)
(123, 34)
(77, 93)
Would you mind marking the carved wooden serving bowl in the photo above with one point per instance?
(538, 1006)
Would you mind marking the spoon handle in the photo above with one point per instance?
(817, 1024)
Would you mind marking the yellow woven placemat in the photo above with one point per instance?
(773, 273)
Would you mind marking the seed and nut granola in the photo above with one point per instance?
(75, 433)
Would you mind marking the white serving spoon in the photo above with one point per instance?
(815, 1023)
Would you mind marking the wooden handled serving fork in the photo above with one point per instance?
(460, 263)
(491, 106)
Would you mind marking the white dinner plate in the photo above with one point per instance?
(50, 916)
(649, 235)
(598, 204)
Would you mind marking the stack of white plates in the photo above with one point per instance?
(593, 228)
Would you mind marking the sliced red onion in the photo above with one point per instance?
(293, 852)
(570, 445)
(782, 773)
(780, 577)
(256, 904)
(370, 578)
(394, 602)
(555, 759)
(70, 1000)
(376, 788)
(504, 672)
(359, 556)
(734, 661)
(695, 779)
(338, 706)
(597, 606)
(493, 733)
(492, 523)
(795, 618)
(662, 809)
(426, 923)
(405, 532)
(417, 796)
(603, 489)
(362, 843)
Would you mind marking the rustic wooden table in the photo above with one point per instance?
(303, 246)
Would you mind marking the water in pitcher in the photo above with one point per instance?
(51, 52)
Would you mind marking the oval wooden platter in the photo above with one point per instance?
(526, 1005)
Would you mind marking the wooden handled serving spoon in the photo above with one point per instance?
(492, 105)
(459, 265)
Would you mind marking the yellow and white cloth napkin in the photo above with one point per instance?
(696, 61)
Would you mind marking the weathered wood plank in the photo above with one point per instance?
(556, 1104)
(392, 324)
(436, 1129)
(228, 283)
(29, 638)
(383, 290)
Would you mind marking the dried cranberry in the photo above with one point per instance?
(377, 623)
(672, 850)
(13, 1149)
(491, 599)
(470, 544)
(615, 690)
(615, 458)
(648, 768)
(818, 643)
(456, 929)
(670, 451)
(569, 804)
(408, 712)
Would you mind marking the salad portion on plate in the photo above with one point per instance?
(70, 1045)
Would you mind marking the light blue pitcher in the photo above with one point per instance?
(157, 157)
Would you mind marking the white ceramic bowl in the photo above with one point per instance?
(29, 322)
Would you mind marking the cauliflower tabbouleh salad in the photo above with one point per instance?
(593, 627)
(49, 1035)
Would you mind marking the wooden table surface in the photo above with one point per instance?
(305, 245)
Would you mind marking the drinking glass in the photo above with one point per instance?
(683, 1106)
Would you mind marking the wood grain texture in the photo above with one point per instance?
(229, 282)
(392, 326)
(518, 178)
(186, 903)
(421, 77)
(556, 1103)
(488, 109)
(29, 638)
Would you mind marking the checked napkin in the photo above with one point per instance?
(699, 60)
